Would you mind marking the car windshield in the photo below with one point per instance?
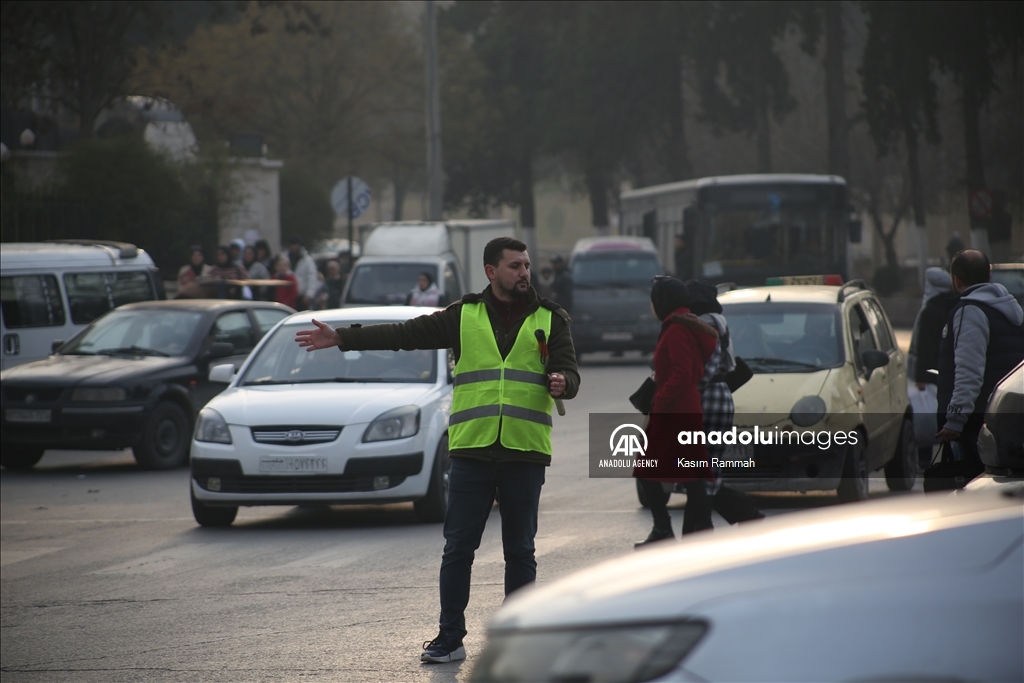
(1012, 279)
(615, 268)
(786, 337)
(281, 361)
(386, 283)
(143, 332)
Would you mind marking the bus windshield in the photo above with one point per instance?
(794, 229)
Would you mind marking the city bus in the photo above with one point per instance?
(746, 228)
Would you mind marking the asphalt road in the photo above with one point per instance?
(106, 577)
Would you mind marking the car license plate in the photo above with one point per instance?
(617, 336)
(293, 464)
(739, 451)
(19, 415)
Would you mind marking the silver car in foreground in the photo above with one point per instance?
(917, 588)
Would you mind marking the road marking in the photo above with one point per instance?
(542, 544)
(163, 560)
(11, 556)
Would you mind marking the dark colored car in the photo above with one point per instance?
(135, 377)
(611, 299)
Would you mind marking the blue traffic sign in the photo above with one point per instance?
(361, 197)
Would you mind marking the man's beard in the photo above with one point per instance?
(515, 292)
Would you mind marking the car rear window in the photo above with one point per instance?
(90, 295)
(31, 301)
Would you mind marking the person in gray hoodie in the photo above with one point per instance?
(982, 341)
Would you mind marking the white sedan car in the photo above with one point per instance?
(297, 428)
(917, 588)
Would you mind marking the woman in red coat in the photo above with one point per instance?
(684, 346)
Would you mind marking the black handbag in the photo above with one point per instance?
(738, 376)
(643, 397)
(949, 474)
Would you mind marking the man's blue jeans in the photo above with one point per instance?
(471, 490)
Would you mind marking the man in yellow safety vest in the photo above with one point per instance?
(500, 426)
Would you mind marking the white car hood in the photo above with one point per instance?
(315, 404)
(800, 549)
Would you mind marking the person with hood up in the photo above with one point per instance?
(939, 298)
(684, 345)
(425, 293)
(982, 341)
(305, 270)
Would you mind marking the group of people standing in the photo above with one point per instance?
(305, 287)
(967, 336)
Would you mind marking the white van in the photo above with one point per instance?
(50, 290)
(395, 254)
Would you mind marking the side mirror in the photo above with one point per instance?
(222, 373)
(874, 359)
(220, 350)
(57, 343)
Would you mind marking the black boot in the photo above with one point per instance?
(657, 534)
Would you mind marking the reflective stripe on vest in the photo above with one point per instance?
(491, 393)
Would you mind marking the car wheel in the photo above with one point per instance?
(211, 515)
(901, 471)
(165, 440)
(432, 507)
(20, 457)
(854, 484)
(641, 495)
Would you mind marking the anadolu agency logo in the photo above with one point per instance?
(628, 444)
(628, 447)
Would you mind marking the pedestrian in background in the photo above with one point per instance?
(425, 293)
(285, 294)
(237, 246)
(334, 285)
(684, 345)
(195, 268)
(257, 271)
(983, 340)
(306, 273)
(561, 288)
(225, 269)
(264, 255)
(938, 300)
(954, 246)
(500, 427)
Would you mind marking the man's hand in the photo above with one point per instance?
(323, 337)
(948, 435)
(556, 384)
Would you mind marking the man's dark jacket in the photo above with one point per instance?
(440, 330)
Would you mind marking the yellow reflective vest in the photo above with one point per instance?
(493, 394)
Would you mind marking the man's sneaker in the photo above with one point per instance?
(444, 648)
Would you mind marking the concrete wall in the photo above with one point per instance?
(254, 211)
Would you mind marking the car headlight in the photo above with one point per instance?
(211, 427)
(808, 411)
(99, 394)
(631, 652)
(394, 424)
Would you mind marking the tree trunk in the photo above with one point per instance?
(679, 167)
(597, 187)
(916, 191)
(527, 207)
(762, 125)
(835, 91)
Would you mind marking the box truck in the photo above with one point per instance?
(451, 253)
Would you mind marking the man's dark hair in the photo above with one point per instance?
(496, 248)
(971, 266)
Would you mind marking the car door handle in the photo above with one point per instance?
(12, 345)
